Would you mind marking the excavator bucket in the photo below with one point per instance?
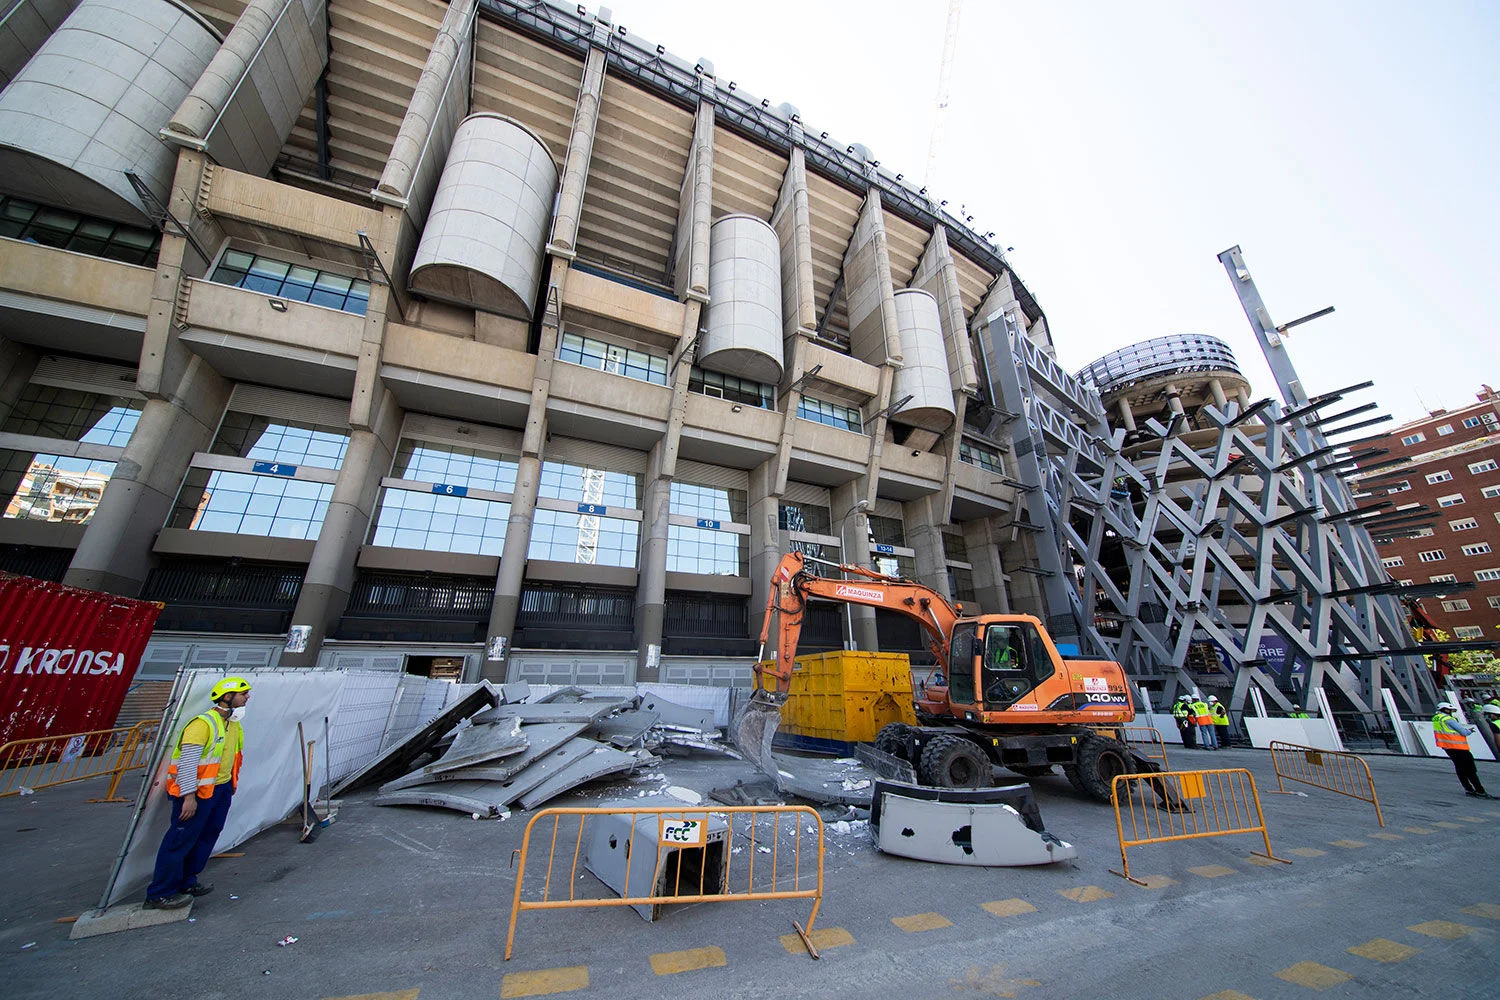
(756, 728)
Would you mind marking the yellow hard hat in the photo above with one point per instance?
(228, 685)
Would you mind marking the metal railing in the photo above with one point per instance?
(47, 761)
(1331, 770)
(1186, 805)
(1139, 734)
(730, 853)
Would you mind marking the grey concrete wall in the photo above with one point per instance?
(27, 24)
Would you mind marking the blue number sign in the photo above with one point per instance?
(449, 490)
(274, 468)
(593, 508)
(704, 522)
(885, 550)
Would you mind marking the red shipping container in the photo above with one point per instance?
(67, 656)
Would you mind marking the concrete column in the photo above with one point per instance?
(1174, 400)
(792, 221)
(580, 152)
(512, 573)
(921, 518)
(765, 538)
(425, 110)
(1127, 417)
(695, 210)
(981, 538)
(853, 528)
(332, 568)
(115, 552)
(873, 334)
(1216, 390)
(936, 273)
(17, 364)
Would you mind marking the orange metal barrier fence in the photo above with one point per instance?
(1186, 805)
(1331, 770)
(29, 765)
(1139, 734)
(673, 855)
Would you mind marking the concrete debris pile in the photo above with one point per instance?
(484, 755)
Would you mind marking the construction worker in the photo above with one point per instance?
(201, 780)
(1452, 738)
(1187, 726)
(1221, 722)
(1492, 712)
(1205, 721)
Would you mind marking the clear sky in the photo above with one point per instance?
(1351, 149)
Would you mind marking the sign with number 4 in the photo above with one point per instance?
(683, 832)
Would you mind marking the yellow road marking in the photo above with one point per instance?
(1228, 995)
(1387, 836)
(397, 995)
(1313, 976)
(1157, 881)
(1483, 910)
(922, 922)
(542, 982)
(1307, 852)
(1008, 907)
(823, 938)
(1262, 860)
(1381, 950)
(1085, 894)
(1445, 929)
(1351, 844)
(1213, 871)
(1447, 825)
(1417, 829)
(666, 963)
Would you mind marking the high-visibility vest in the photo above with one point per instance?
(1221, 714)
(213, 757)
(1179, 710)
(1444, 733)
(1201, 713)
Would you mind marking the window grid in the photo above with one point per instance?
(92, 418)
(1488, 465)
(242, 503)
(712, 502)
(832, 414)
(1400, 487)
(1477, 549)
(554, 536)
(1392, 562)
(805, 517)
(1463, 525)
(902, 566)
(1444, 430)
(53, 488)
(248, 435)
(296, 282)
(1423, 533)
(1459, 605)
(433, 522)
(704, 550)
(1472, 422)
(961, 585)
(1491, 492)
(612, 358)
(977, 454)
(1443, 578)
(1417, 438)
(64, 230)
(473, 468)
(1485, 575)
(1452, 500)
(565, 481)
(887, 531)
(736, 390)
(1439, 477)
(1432, 555)
(1468, 632)
(1495, 602)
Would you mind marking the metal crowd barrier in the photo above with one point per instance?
(47, 761)
(1186, 805)
(1139, 734)
(1330, 770)
(724, 854)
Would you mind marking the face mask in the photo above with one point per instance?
(237, 714)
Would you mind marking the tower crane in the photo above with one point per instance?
(945, 77)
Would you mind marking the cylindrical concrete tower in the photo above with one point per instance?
(1165, 376)
(88, 106)
(483, 243)
(742, 334)
(923, 374)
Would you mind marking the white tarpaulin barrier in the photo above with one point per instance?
(270, 781)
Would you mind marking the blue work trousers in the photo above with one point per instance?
(186, 848)
(1206, 738)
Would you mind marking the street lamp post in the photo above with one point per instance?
(863, 505)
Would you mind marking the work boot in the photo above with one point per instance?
(173, 902)
(199, 889)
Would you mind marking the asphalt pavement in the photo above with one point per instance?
(401, 903)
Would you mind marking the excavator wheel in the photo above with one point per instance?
(954, 762)
(892, 739)
(1031, 770)
(1100, 760)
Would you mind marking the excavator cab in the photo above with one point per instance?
(1013, 662)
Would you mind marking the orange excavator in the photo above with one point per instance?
(1001, 694)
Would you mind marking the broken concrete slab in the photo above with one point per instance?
(543, 739)
(472, 797)
(602, 761)
(124, 917)
(673, 714)
(683, 739)
(548, 766)
(627, 729)
(513, 692)
(842, 782)
(534, 712)
(397, 759)
(886, 765)
(477, 744)
(986, 827)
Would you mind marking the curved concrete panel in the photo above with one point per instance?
(923, 374)
(742, 332)
(483, 243)
(90, 104)
(24, 27)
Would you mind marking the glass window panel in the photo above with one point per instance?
(266, 276)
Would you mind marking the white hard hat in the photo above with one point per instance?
(1492, 710)
(1445, 706)
(1212, 698)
